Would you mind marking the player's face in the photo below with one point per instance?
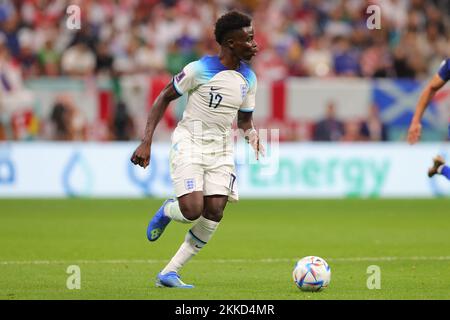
(244, 45)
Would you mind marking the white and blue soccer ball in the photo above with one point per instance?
(312, 274)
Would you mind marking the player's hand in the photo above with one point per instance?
(414, 132)
(141, 156)
(253, 139)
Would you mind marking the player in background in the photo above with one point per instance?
(201, 157)
(415, 128)
(439, 167)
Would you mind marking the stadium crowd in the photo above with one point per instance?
(297, 38)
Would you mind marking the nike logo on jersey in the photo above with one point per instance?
(214, 88)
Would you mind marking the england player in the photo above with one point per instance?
(201, 156)
(415, 128)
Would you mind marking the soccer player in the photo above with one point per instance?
(439, 167)
(415, 128)
(201, 157)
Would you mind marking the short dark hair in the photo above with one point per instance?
(231, 21)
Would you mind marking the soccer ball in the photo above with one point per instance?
(312, 274)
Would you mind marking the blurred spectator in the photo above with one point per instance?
(338, 24)
(15, 99)
(122, 124)
(61, 120)
(78, 60)
(87, 36)
(402, 65)
(49, 59)
(68, 123)
(352, 131)
(150, 60)
(376, 59)
(317, 59)
(27, 57)
(177, 59)
(125, 63)
(330, 128)
(346, 58)
(270, 66)
(10, 30)
(104, 62)
(373, 129)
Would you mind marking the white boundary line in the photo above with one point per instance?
(268, 260)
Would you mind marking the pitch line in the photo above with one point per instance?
(268, 260)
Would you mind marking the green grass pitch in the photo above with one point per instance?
(251, 255)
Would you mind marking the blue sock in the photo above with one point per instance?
(446, 172)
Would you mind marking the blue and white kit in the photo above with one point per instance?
(201, 157)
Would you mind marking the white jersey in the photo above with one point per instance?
(215, 95)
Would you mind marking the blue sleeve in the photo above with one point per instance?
(444, 70)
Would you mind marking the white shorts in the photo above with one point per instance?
(204, 170)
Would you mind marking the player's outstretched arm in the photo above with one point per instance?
(245, 122)
(141, 155)
(415, 128)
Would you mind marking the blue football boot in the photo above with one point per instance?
(158, 223)
(171, 280)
